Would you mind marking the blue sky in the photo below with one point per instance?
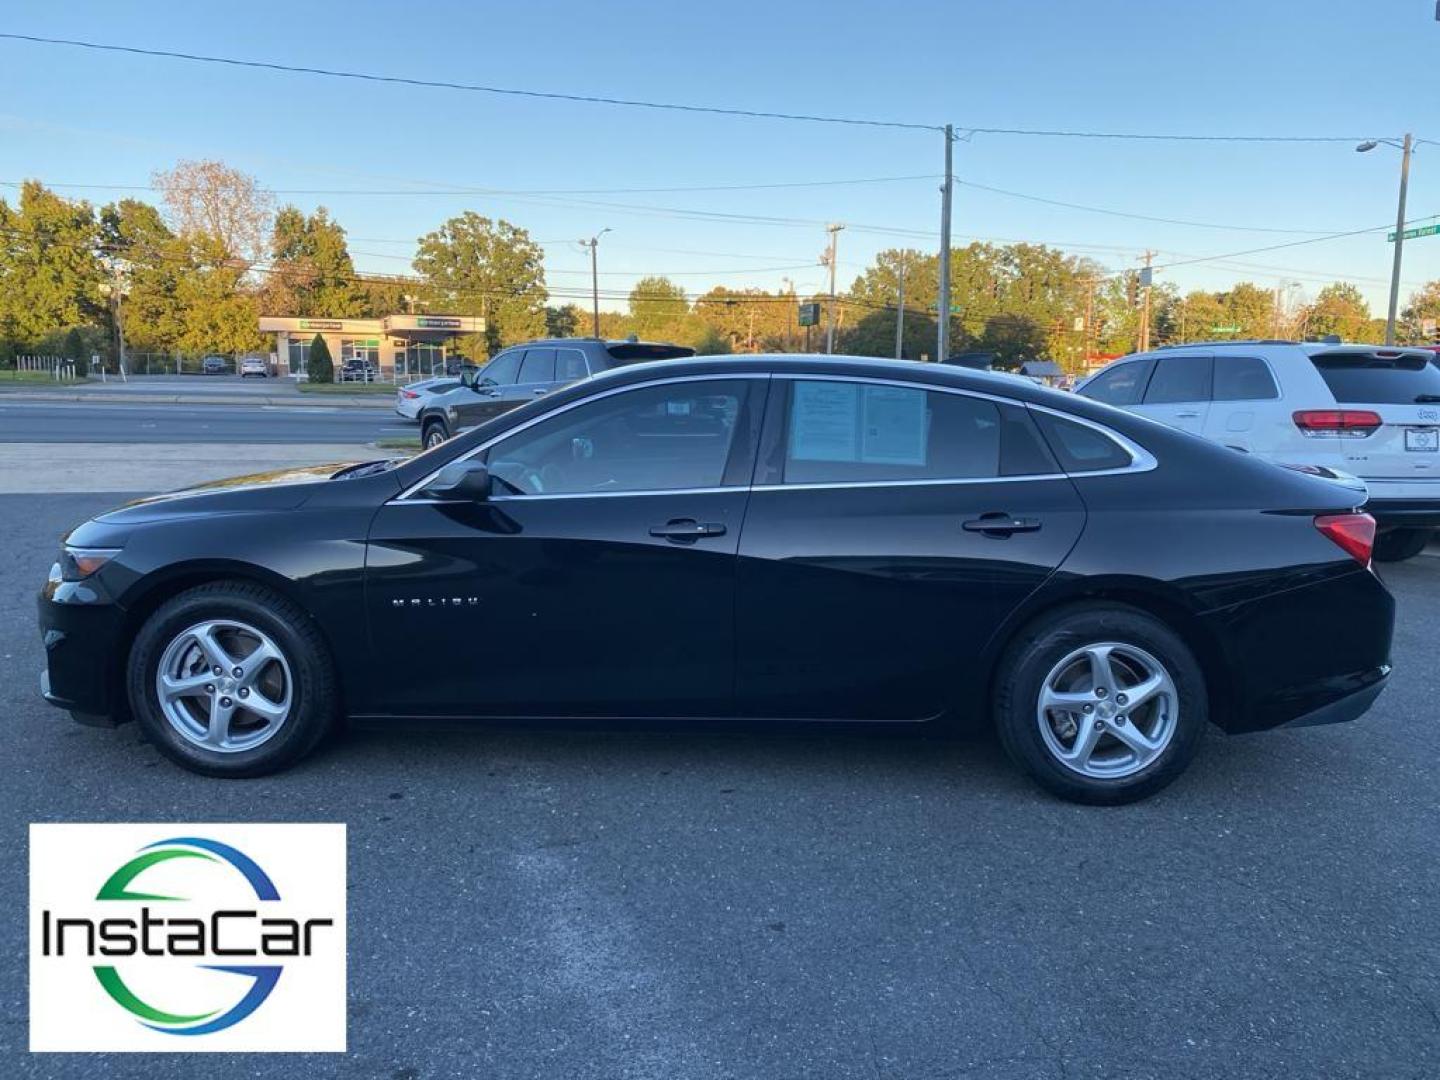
(1276, 67)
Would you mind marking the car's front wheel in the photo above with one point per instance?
(1101, 703)
(1397, 545)
(231, 679)
(434, 433)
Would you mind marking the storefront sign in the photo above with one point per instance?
(437, 322)
(321, 324)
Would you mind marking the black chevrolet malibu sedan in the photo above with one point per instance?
(759, 539)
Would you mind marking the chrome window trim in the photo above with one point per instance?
(950, 482)
(404, 496)
(1141, 460)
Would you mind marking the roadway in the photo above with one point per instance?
(25, 421)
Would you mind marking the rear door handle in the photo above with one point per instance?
(1186, 415)
(1000, 525)
(687, 530)
(541, 390)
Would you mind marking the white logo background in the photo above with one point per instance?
(69, 1010)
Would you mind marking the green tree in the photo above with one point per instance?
(565, 321)
(1424, 304)
(311, 272)
(149, 260)
(475, 266)
(657, 305)
(319, 368)
(50, 268)
(1338, 309)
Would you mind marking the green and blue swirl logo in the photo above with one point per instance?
(255, 936)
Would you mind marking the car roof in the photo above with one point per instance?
(1003, 384)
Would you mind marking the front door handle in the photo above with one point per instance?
(1000, 525)
(541, 390)
(1187, 415)
(687, 530)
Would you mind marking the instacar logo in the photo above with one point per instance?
(189, 936)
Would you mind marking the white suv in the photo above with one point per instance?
(1369, 410)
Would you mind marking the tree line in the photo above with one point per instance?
(193, 274)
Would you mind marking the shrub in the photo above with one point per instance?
(320, 368)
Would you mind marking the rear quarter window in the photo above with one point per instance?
(1080, 448)
(1381, 377)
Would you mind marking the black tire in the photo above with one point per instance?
(433, 433)
(314, 696)
(1397, 545)
(1043, 645)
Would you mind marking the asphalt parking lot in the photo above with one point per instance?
(602, 904)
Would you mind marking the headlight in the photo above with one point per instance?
(77, 563)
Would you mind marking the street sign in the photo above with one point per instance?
(1147, 275)
(1411, 234)
(1224, 329)
(810, 314)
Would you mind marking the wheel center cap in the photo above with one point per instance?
(1105, 709)
(227, 685)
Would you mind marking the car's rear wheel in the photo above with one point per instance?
(231, 679)
(1397, 545)
(434, 433)
(1101, 703)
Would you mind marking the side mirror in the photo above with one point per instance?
(468, 479)
(468, 377)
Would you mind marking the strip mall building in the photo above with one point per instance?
(399, 346)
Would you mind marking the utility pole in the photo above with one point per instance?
(942, 344)
(1145, 304)
(592, 244)
(900, 313)
(789, 313)
(1399, 241)
(117, 289)
(1089, 321)
(834, 231)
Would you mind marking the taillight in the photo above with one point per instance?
(1355, 533)
(409, 394)
(1337, 423)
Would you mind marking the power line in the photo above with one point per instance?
(1166, 136)
(669, 106)
(474, 88)
(1278, 247)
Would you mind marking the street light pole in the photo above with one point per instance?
(1399, 242)
(593, 243)
(1405, 148)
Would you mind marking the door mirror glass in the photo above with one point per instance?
(468, 479)
(469, 377)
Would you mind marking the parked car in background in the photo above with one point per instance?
(412, 397)
(254, 365)
(358, 370)
(1369, 410)
(524, 372)
(922, 545)
(214, 365)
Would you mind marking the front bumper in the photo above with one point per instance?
(81, 630)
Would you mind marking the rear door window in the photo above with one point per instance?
(538, 366)
(1120, 385)
(1243, 378)
(1179, 378)
(1379, 377)
(856, 432)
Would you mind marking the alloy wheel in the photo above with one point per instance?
(1107, 710)
(224, 685)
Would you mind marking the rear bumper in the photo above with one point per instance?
(1313, 655)
(1350, 707)
(1405, 513)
